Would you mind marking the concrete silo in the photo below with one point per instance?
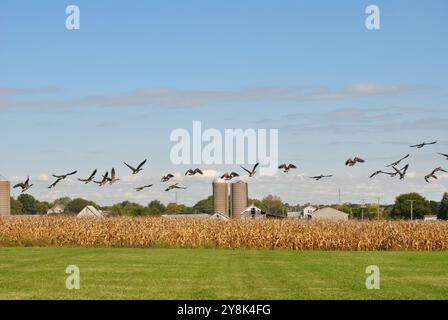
(5, 197)
(221, 197)
(239, 196)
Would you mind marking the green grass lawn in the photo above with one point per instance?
(119, 273)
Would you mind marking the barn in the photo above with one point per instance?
(328, 214)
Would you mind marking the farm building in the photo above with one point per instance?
(253, 212)
(219, 216)
(329, 214)
(56, 209)
(5, 197)
(308, 210)
(294, 215)
(90, 212)
(430, 218)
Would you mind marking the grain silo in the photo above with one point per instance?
(239, 196)
(5, 197)
(221, 197)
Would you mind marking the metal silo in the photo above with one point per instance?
(221, 197)
(5, 197)
(239, 196)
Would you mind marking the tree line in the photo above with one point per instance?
(26, 204)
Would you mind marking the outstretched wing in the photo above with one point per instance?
(141, 164)
(292, 166)
(255, 166)
(405, 168)
(129, 166)
(245, 170)
(93, 174)
(360, 160)
(197, 170)
(282, 166)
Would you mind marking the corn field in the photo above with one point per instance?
(189, 233)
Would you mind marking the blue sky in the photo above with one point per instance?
(115, 89)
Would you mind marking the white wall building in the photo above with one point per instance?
(253, 212)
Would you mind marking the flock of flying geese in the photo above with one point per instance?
(106, 179)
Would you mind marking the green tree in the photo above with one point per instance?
(174, 208)
(42, 207)
(204, 206)
(63, 201)
(156, 206)
(443, 208)
(402, 206)
(16, 207)
(76, 205)
(273, 204)
(434, 205)
(127, 208)
(28, 203)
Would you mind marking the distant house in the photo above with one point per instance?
(253, 212)
(90, 212)
(219, 216)
(308, 210)
(294, 215)
(430, 218)
(329, 214)
(56, 209)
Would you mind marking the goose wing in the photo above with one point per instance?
(141, 164)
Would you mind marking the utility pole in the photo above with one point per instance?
(412, 207)
(340, 202)
(362, 208)
(175, 197)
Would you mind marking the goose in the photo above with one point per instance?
(24, 185)
(89, 179)
(396, 163)
(143, 187)
(113, 177)
(433, 174)
(192, 172)
(253, 171)
(104, 180)
(402, 172)
(382, 172)
(59, 178)
(351, 162)
(174, 186)
(138, 169)
(63, 176)
(286, 167)
(421, 145)
(317, 178)
(167, 177)
(229, 176)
